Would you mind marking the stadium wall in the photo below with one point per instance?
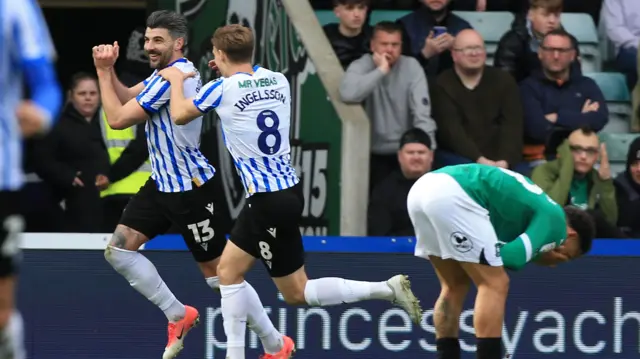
(76, 307)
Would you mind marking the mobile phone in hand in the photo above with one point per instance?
(439, 30)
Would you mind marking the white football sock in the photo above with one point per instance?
(332, 291)
(234, 314)
(12, 338)
(241, 304)
(143, 277)
(260, 322)
(213, 282)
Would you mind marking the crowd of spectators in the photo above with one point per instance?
(434, 100)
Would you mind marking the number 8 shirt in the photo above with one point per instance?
(255, 112)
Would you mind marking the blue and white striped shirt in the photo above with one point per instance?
(256, 116)
(174, 153)
(26, 53)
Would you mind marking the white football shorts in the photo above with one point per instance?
(449, 224)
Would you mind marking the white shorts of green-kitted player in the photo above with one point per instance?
(449, 224)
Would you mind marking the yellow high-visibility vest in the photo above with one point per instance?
(116, 141)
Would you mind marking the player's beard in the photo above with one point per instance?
(163, 59)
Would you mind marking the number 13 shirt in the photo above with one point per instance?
(255, 112)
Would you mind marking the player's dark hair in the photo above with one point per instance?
(175, 23)
(236, 41)
(389, 27)
(584, 225)
(351, 2)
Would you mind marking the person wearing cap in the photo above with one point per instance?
(387, 213)
(627, 186)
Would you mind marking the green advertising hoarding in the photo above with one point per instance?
(315, 126)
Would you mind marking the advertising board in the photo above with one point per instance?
(77, 307)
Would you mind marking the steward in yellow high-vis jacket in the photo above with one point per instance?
(129, 170)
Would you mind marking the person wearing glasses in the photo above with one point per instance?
(558, 100)
(573, 179)
(477, 109)
(517, 51)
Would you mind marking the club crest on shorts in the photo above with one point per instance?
(461, 242)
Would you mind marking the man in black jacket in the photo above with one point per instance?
(429, 33)
(628, 192)
(387, 212)
(517, 50)
(350, 37)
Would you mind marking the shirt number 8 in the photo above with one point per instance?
(268, 123)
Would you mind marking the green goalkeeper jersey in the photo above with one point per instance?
(526, 220)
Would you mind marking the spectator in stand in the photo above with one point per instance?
(130, 169)
(591, 7)
(73, 155)
(477, 109)
(129, 157)
(387, 215)
(621, 20)
(628, 193)
(572, 178)
(395, 95)
(350, 37)
(557, 99)
(488, 5)
(518, 49)
(429, 33)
